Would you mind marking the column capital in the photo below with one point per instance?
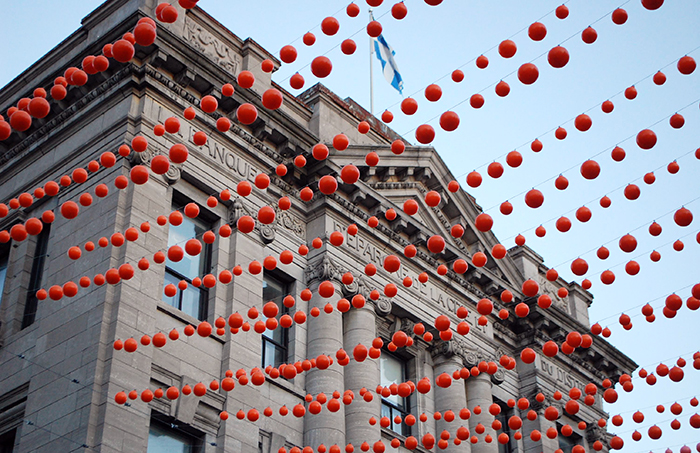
(323, 269)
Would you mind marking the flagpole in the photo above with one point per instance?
(371, 76)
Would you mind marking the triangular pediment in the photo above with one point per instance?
(412, 174)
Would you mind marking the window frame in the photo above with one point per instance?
(286, 284)
(395, 409)
(503, 416)
(4, 264)
(207, 223)
(571, 441)
(41, 252)
(170, 425)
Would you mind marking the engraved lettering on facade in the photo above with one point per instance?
(207, 44)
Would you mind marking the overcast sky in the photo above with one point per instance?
(433, 41)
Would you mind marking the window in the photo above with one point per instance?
(274, 342)
(164, 438)
(7, 441)
(393, 371)
(567, 443)
(192, 300)
(4, 255)
(40, 254)
(503, 416)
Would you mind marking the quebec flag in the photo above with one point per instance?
(386, 56)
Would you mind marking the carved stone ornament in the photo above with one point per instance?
(236, 211)
(267, 233)
(173, 175)
(142, 158)
(594, 432)
(551, 290)
(321, 270)
(383, 306)
(498, 377)
(443, 348)
(291, 223)
(404, 325)
(358, 286)
(208, 45)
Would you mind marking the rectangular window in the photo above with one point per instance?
(4, 257)
(393, 371)
(191, 300)
(163, 438)
(503, 416)
(40, 254)
(275, 342)
(567, 443)
(7, 441)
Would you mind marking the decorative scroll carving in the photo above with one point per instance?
(498, 377)
(358, 286)
(205, 43)
(267, 234)
(383, 306)
(173, 175)
(142, 158)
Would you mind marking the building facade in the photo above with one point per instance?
(61, 371)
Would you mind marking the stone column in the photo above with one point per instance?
(451, 398)
(360, 329)
(479, 394)
(325, 336)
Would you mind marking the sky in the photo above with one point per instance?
(430, 43)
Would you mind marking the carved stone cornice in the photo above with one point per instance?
(67, 113)
(189, 98)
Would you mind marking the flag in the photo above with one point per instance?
(385, 54)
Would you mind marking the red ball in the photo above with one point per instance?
(321, 67)
(528, 73)
(558, 57)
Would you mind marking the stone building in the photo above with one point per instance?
(60, 370)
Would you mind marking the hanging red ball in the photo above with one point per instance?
(537, 31)
(507, 48)
(321, 67)
(534, 198)
(528, 73)
(558, 57)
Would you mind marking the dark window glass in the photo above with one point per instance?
(567, 443)
(393, 371)
(274, 342)
(167, 439)
(7, 441)
(503, 416)
(4, 256)
(192, 300)
(40, 254)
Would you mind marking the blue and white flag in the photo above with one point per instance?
(386, 55)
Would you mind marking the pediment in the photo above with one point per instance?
(411, 175)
